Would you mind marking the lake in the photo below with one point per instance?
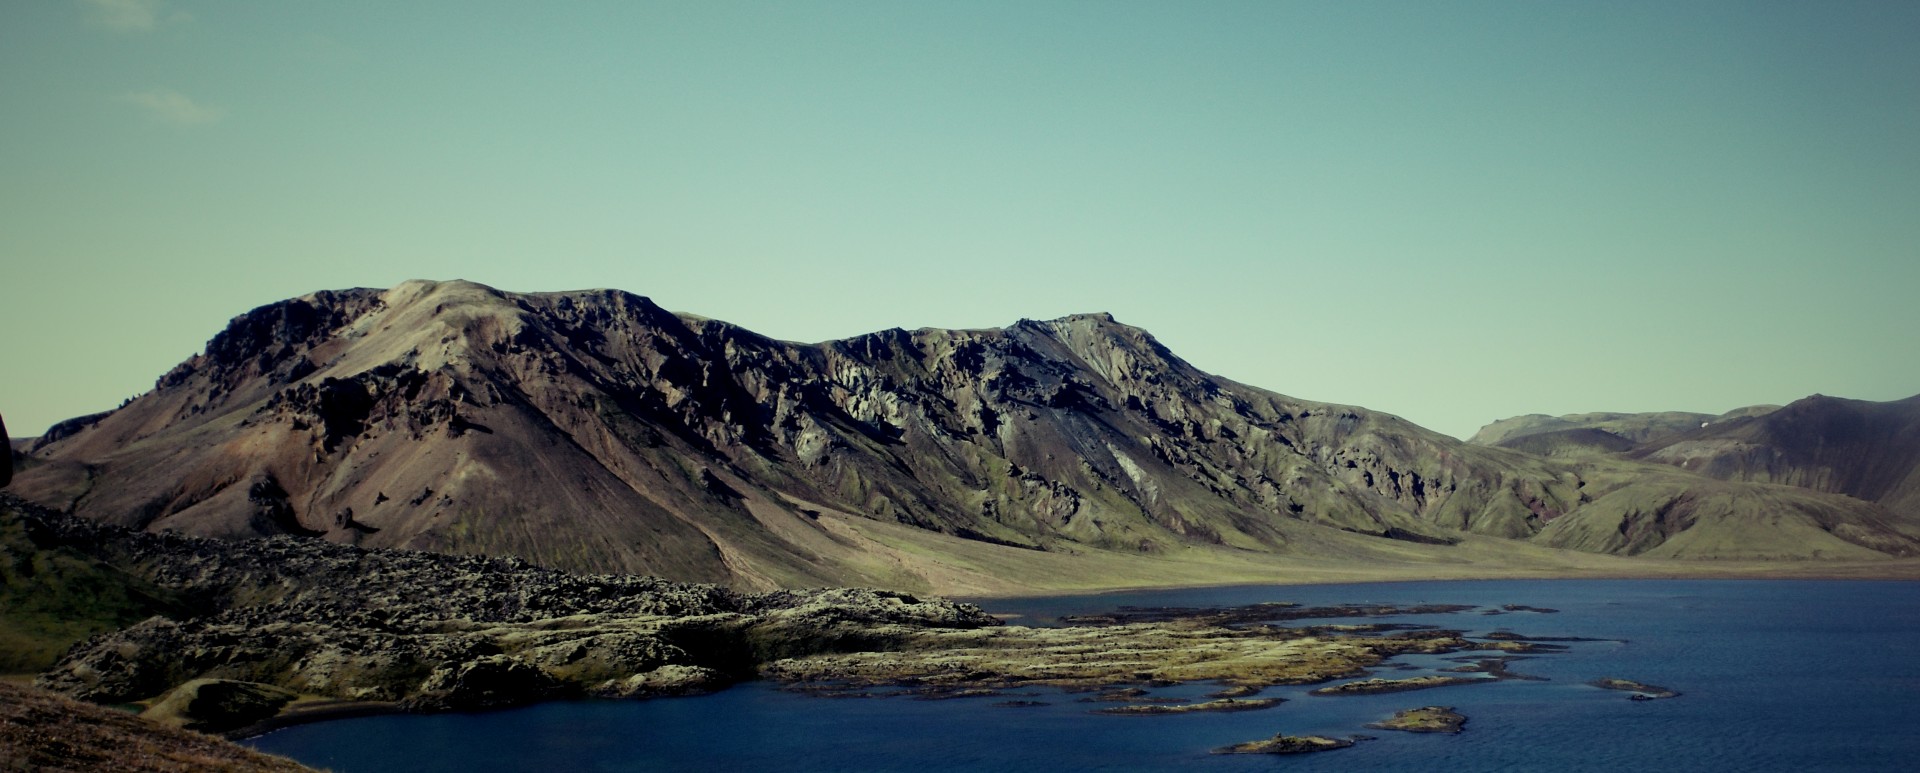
(1774, 676)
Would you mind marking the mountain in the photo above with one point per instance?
(1579, 433)
(597, 431)
(1865, 450)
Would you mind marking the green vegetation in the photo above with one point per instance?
(52, 597)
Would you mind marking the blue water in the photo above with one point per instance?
(1775, 676)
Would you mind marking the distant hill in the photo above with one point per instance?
(1576, 442)
(1635, 428)
(1865, 450)
(596, 431)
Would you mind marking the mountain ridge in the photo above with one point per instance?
(595, 430)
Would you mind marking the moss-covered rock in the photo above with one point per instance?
(1426, 719)
(218, 705)
(1287, 744)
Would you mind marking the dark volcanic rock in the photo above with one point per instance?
(435, 632)
(488, 682)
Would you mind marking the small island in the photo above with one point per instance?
(1287, 744)
(1380, 686)
(1223, 704)
(1426, 719)
(1641, 691)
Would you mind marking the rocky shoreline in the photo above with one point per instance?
(281, 631)
(430, 632)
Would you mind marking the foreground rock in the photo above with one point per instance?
(41, 731)
(1287, 744)
(1426, 719)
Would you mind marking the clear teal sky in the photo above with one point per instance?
(1452, 211)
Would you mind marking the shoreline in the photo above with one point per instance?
(1908, 570)
(323, 710)
(316, 711)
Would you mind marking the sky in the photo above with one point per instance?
(1453, 212)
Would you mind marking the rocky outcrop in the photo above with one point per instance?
(218, 705)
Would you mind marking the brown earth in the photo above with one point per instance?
(42, 731)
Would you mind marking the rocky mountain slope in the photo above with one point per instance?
(596, 431)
